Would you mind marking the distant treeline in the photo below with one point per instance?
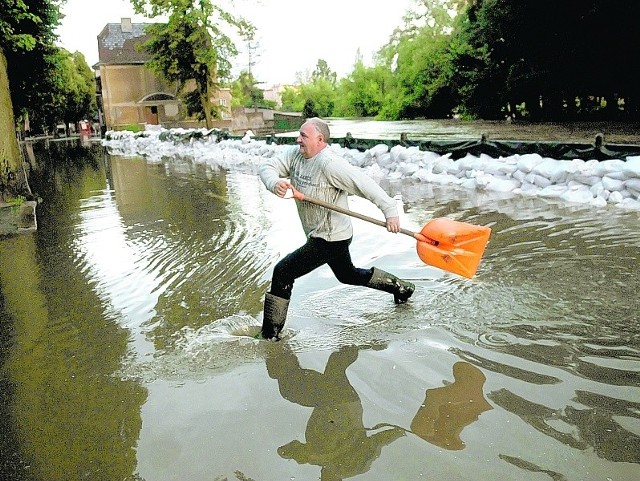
(538, 60)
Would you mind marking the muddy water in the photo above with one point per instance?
(127, 350)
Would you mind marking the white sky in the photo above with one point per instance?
(292, 34)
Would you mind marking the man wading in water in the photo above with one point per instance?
(318, 172)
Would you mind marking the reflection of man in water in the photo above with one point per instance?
(336, 439)
(447, 410)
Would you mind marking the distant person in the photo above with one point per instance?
(349, 141)
(316, 171)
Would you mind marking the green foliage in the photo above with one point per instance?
(135, 128)
(323, 95)
(37, 91)
(309, 109)
(17, 200)
(51, 85)
(363, 93)
(246, 93)
(585, 50)
(60, 88)
(410, 79)
(323, 72)
(292, 100)
(25, 27)
(16, 17)
(79, 90)
(422, 69)
(318, 97)
(320, 90)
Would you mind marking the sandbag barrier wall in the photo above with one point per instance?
(493, 148)
(456, 148)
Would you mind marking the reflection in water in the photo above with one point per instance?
(447, 410)
(67, 417)
(530, 467)
(203, 255)
(336, 438)
(599, 421)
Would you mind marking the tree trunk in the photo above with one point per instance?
(205, 98)
(12, 180)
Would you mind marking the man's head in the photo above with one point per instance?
(314, 136)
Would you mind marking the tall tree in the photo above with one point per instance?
(26, 32)
(246, 92)
(552, 59)
(80, 91)
(417, 52)
(37, 90)
(363, 93)
(323, 72)
(192, 47)
(318, 91)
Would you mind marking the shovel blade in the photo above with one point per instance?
(459, 248)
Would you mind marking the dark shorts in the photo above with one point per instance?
(315, 253)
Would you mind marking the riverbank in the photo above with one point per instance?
(565, 132)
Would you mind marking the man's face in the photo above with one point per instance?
(310, 141)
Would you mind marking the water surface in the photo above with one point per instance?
(457, 129)
(127, 349)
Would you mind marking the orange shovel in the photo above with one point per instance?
(444, 243)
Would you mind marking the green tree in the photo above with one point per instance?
(323, 72)
(363, 93)
(26, 39)
(481, 94)
(39, 97)
(59, 87)
(82, 102)
(417, 54)
(246, 93)
(319, 87)
(191, 47)
(292, 99)
(323, 94)
(34, 83)
(585, 52)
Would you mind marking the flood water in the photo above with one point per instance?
(126, 326)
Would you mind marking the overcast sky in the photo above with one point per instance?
(292, 35)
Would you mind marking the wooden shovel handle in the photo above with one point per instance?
(301, 197)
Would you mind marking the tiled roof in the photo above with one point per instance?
(116, 47)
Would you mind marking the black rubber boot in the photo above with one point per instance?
(383, 281)
(275, 313)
